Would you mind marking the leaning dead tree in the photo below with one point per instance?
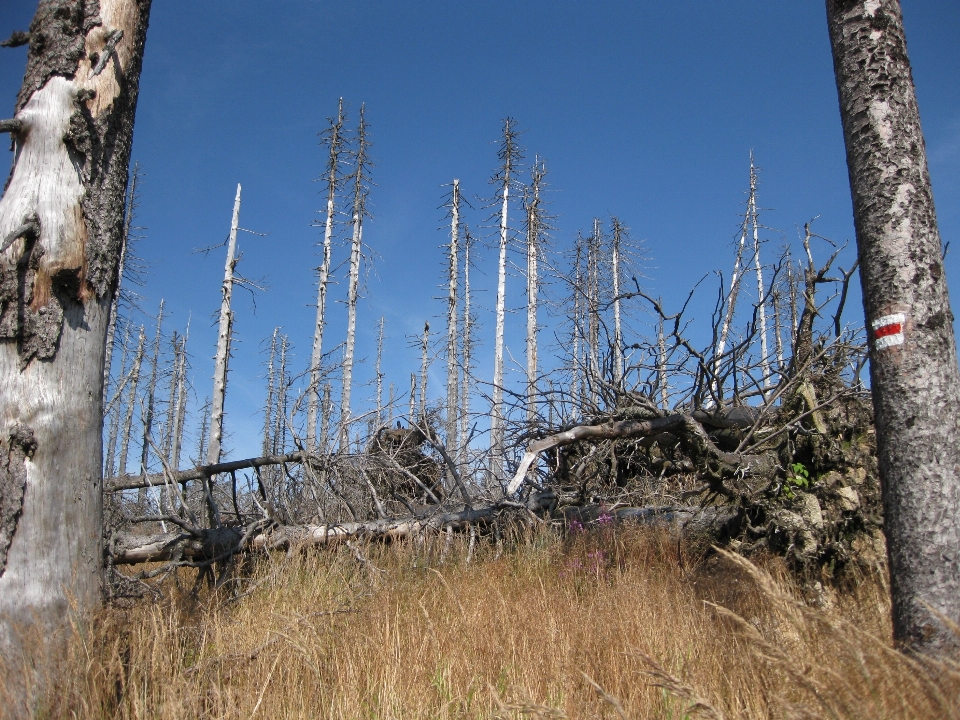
(224, 333)
(913, 359)
(61, 236)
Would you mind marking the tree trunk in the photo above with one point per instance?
(359, 211)
(424, 367)
(63, 211)
(452, 319)
(758, 267)
(467, 345)
(509, 154)
(223, 341)
(617, 326)
(334, 138)
(913, 361)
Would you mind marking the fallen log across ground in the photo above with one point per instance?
(213, 544)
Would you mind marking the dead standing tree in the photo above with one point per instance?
(510, 155)
(61, 234)
(361, 192)
(913, 359)
(333, 139)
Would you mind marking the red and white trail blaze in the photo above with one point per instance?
(887, 331)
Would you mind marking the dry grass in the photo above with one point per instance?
(600, 626)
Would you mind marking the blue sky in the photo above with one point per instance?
(643, 110)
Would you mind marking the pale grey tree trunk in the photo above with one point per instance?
(115, 411)
(131, 403)
(913, 361)
(359, 212)
(224, 331)
(615, 246)
(424, 368)
(166, 440)
(129, 211)
(268, 407)
(148, 408)
(534, 223)
(377, 369)
(731, 305)
(334, 140)
(453, 324)
(509, 155)
(181, 412)
(594, 243)
(662, 367)
(411, 417)
(753, 214)
(61, 223)
(467, 349)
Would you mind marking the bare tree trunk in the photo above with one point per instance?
(268, 408)
(326, 409)
(453, 329)
(509, 155)
(390, 406)
(166, 440)
(913, 361)
(223, 341)
(379, 416)
(359, 211)
(578, 303)
(731, 304)
(534, 222)
(411, 417)
(148, 408)
(108, 466)
(758, 267)
(181, 402)
(662, 367)
(334, 140)
(61, 227)
(467, 351)
(618, 230)
(777, 327)
(424, 366)
(131, 402)
(594, 244)
(280, 395)
(129, 213)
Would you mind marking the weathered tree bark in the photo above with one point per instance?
(467, 350)
(334, 139)
(360, 192)
(509, 156)
(453, 323)
(753, 214)
(224, 331)
(617, 231)
(534, 223)
(131, 402)
(424, 367)
(57, 281)
(913, 361)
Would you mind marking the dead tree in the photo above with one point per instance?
(115, 407)
(361, 191)
(453, 324)
(913, 361)
(536, 225)
(466, 348)
(224, 333)
(131, 401)
(61, 230)
(379, 374)
(333, 139)
(122, 270)
(753, 216)
(509, 155)
(148, 409)
(424, 367)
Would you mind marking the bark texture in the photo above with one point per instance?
(914, 377)
(57, 283)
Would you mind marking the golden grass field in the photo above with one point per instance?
(607, 624)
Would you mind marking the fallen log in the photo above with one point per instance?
(130, 549)
(134, 482)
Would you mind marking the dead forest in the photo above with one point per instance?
(750, 429)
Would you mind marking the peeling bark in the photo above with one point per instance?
(70, 169)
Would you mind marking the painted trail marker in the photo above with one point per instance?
(887, 331)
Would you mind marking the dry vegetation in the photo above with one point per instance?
(604, 623)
